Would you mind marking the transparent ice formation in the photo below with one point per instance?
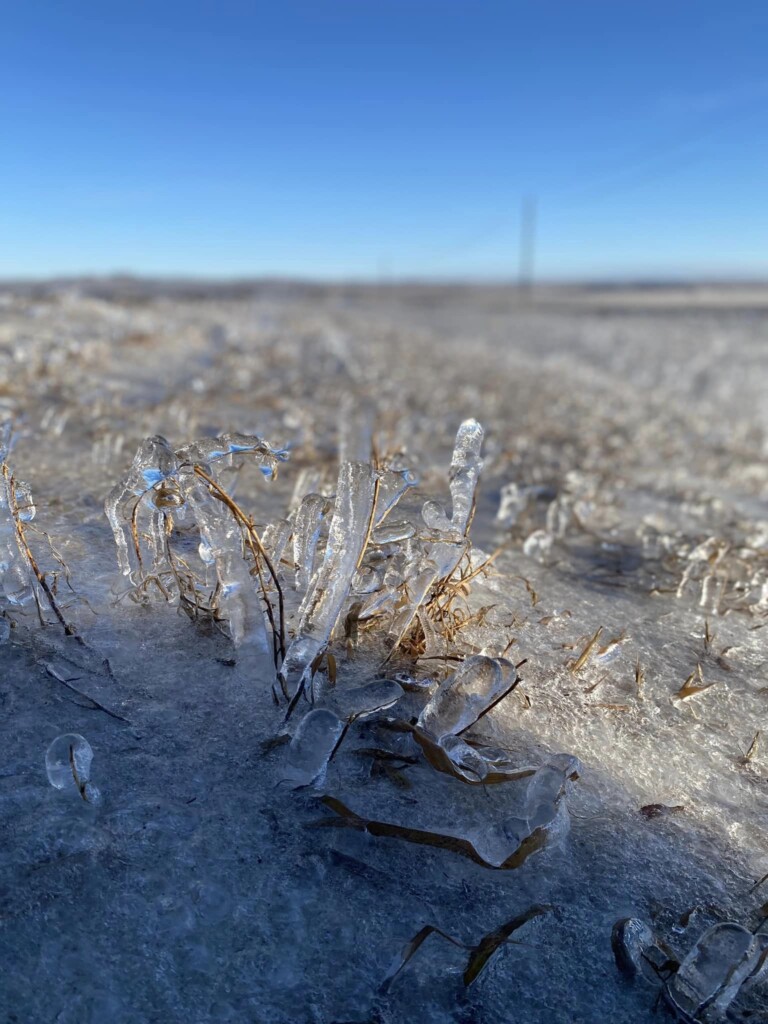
(465, 473)
(467, 694)
(459, 701)
(163, 484)
(545, 815)
(17, 581)
(347, 536)
(709, 978)
(316, 737)
(362, 701)
(68, 764)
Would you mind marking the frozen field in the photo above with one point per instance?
(624, 495)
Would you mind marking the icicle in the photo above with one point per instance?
(239, 601)
(355, 431)
(393, 483)
(465, 472)
(16, 577)
(306, 533)
(275, 540)
(153, 463)
(347, 536)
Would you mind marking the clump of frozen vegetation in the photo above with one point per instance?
(349, 566)
(17, 578)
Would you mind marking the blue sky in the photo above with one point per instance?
(362, 138)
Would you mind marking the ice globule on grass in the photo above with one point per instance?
(460, 700)
(725, 959)
(392, 485)
(153, 464)
(68, 764)
(362, 701)
(638, 951)
(545, 815)
(466, 694)
(316, 737)
(709, 978)
(306, 534)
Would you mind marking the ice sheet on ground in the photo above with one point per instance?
(635, 436)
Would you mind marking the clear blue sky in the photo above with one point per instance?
(339, 138)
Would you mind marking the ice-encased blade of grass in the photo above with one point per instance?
(393, 483)
(238, 600)
(153, 463)
(306, 533)
(439, 559)
(362, 701)
(185, 485)
(439, 562)
(546, 815)
(17, 579)
(465, 473)
(347, 537)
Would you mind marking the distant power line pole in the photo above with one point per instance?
(527, 243)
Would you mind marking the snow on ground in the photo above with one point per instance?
(626, 482)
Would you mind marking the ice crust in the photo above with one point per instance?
(625, 453)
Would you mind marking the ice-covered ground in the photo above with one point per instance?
(626, 484)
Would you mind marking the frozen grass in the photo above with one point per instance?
(620, 552)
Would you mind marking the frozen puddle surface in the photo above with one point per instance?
(417, 671)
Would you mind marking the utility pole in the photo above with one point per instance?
(527, 245)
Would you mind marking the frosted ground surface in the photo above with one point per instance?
(635, 431)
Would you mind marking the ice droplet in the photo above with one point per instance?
(68, 764)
